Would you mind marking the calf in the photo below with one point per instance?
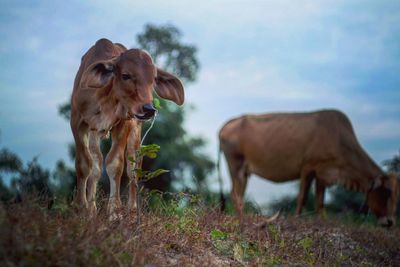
(113, 93)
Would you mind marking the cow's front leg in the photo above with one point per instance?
(319, 196)
(305, 183)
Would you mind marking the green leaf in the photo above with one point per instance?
(306, 243)
(151, 155)
(140, 173)
(151, 174)
(157, 103)
(217, 234)
(131, 159)
(150, 151)
(125, 258)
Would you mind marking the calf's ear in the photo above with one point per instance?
(99, 74)
(169, 87)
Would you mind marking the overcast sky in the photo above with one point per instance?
(256, 56)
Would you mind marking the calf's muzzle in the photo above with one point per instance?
(148, 112)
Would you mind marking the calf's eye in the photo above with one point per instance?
(126, 77)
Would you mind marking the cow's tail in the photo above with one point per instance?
(221, 193)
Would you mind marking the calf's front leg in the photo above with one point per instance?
(132, 147)
(83, 165)
(95, 173)
(115, 165)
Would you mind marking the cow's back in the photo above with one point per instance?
(278, 146)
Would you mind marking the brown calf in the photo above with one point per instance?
(113, 93)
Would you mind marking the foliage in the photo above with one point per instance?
(149, 151)
(32, 179)
(9, 161)
(393, 165)
(344, 201)
(165, 46)
(5, 193)
(288, 204)
(64, 178)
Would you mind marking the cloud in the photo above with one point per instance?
(380, 129)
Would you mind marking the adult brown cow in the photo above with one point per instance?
(322, 145)
(113, 93)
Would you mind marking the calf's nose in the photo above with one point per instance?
(149, 110)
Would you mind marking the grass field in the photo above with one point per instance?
(190, 235)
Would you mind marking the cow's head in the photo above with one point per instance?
(382, 199)
(132, 77)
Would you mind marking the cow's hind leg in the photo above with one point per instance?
(305, 183)
(239, 176)
(95, 174)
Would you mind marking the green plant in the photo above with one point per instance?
(276, 237)
(306, 243)
(149, 151)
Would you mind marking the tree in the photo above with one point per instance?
(64, 178)
(30, 180)
(180, 153)
(288, 204)
(10, 163)
(164, 45)
(393, 165)
(34, 179)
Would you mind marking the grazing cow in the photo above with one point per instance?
(322, 145)
(113, 93)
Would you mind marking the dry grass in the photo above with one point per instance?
(32, 235)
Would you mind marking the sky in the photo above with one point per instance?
(255, 56)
